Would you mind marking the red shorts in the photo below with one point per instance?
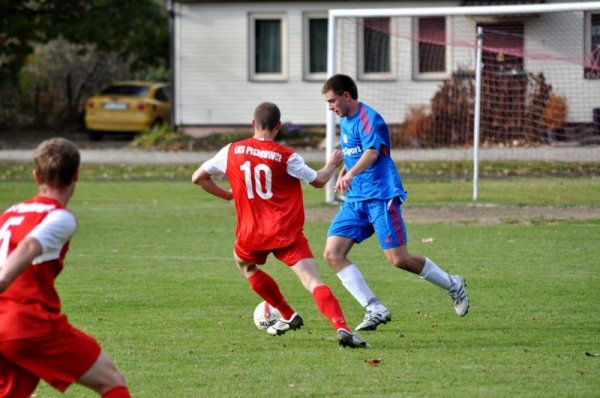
(59, 358)
(289, 255)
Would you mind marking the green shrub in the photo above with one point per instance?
(160, 137)
(163, 138)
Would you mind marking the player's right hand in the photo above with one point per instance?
(336, 157)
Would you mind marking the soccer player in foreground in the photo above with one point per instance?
(36, 340)
(265, 184)
(373, 197)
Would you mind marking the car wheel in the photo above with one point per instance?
(156, 123)
(93, 135)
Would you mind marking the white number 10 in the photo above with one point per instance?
(259, 171)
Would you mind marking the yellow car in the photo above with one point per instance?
(130, 106)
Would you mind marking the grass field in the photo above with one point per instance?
(150, 275)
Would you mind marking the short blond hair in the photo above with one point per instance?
(56, 162)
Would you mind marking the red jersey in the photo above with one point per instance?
(265, 180)
(31, 300)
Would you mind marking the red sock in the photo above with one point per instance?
(267, 288)
(330, 307)
(117, 392)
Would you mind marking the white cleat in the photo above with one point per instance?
(282, 326)
(374, 319)
(459, 295)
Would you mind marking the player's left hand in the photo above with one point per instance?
(343, 184)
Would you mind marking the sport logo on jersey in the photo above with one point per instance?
(351, 151)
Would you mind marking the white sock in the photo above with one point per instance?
(434, 274)
(355, 283)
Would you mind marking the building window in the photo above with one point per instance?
(376, 53)
(268, 47)
(315, 46)
(503, 48)
(592, 61)
(432, 48)
(431, 58)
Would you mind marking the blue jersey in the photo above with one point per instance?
(364, 130)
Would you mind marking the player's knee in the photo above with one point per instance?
(401, 262)
(247, 269)
(331, 257)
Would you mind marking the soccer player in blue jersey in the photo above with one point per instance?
(373, 197)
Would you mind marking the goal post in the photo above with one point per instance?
(538, 64)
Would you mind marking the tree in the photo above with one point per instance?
(57, 79)
(85, 40)
(136, 30)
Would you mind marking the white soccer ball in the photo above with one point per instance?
(265, 315)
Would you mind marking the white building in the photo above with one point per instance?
(228, 56)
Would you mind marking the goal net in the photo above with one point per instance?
(538, 83)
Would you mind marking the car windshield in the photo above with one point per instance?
(132, 91)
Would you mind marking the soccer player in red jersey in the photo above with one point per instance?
(36, 339)
(265, 184)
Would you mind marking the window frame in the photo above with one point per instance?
(253, 17)
(417, 74)
(161, 94)
(587, 73)
(307, 74)
(392, 51)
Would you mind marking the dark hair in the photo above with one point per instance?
(266, 116)
(339, 84)
(56, 162)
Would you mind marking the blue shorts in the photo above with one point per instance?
(359, 220)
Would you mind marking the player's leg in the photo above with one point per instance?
(104, 378)
(261, 282)
(351, 225)
(15, 382)
(391, 233)
(352, 279)
(326, 302)
(400, 258)
(299, 258)
(455, 285)
(66, 355)
(336, 251)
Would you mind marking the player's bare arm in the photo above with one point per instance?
(205, 181)
(325, 174)
(18, 261)
(344, 182)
